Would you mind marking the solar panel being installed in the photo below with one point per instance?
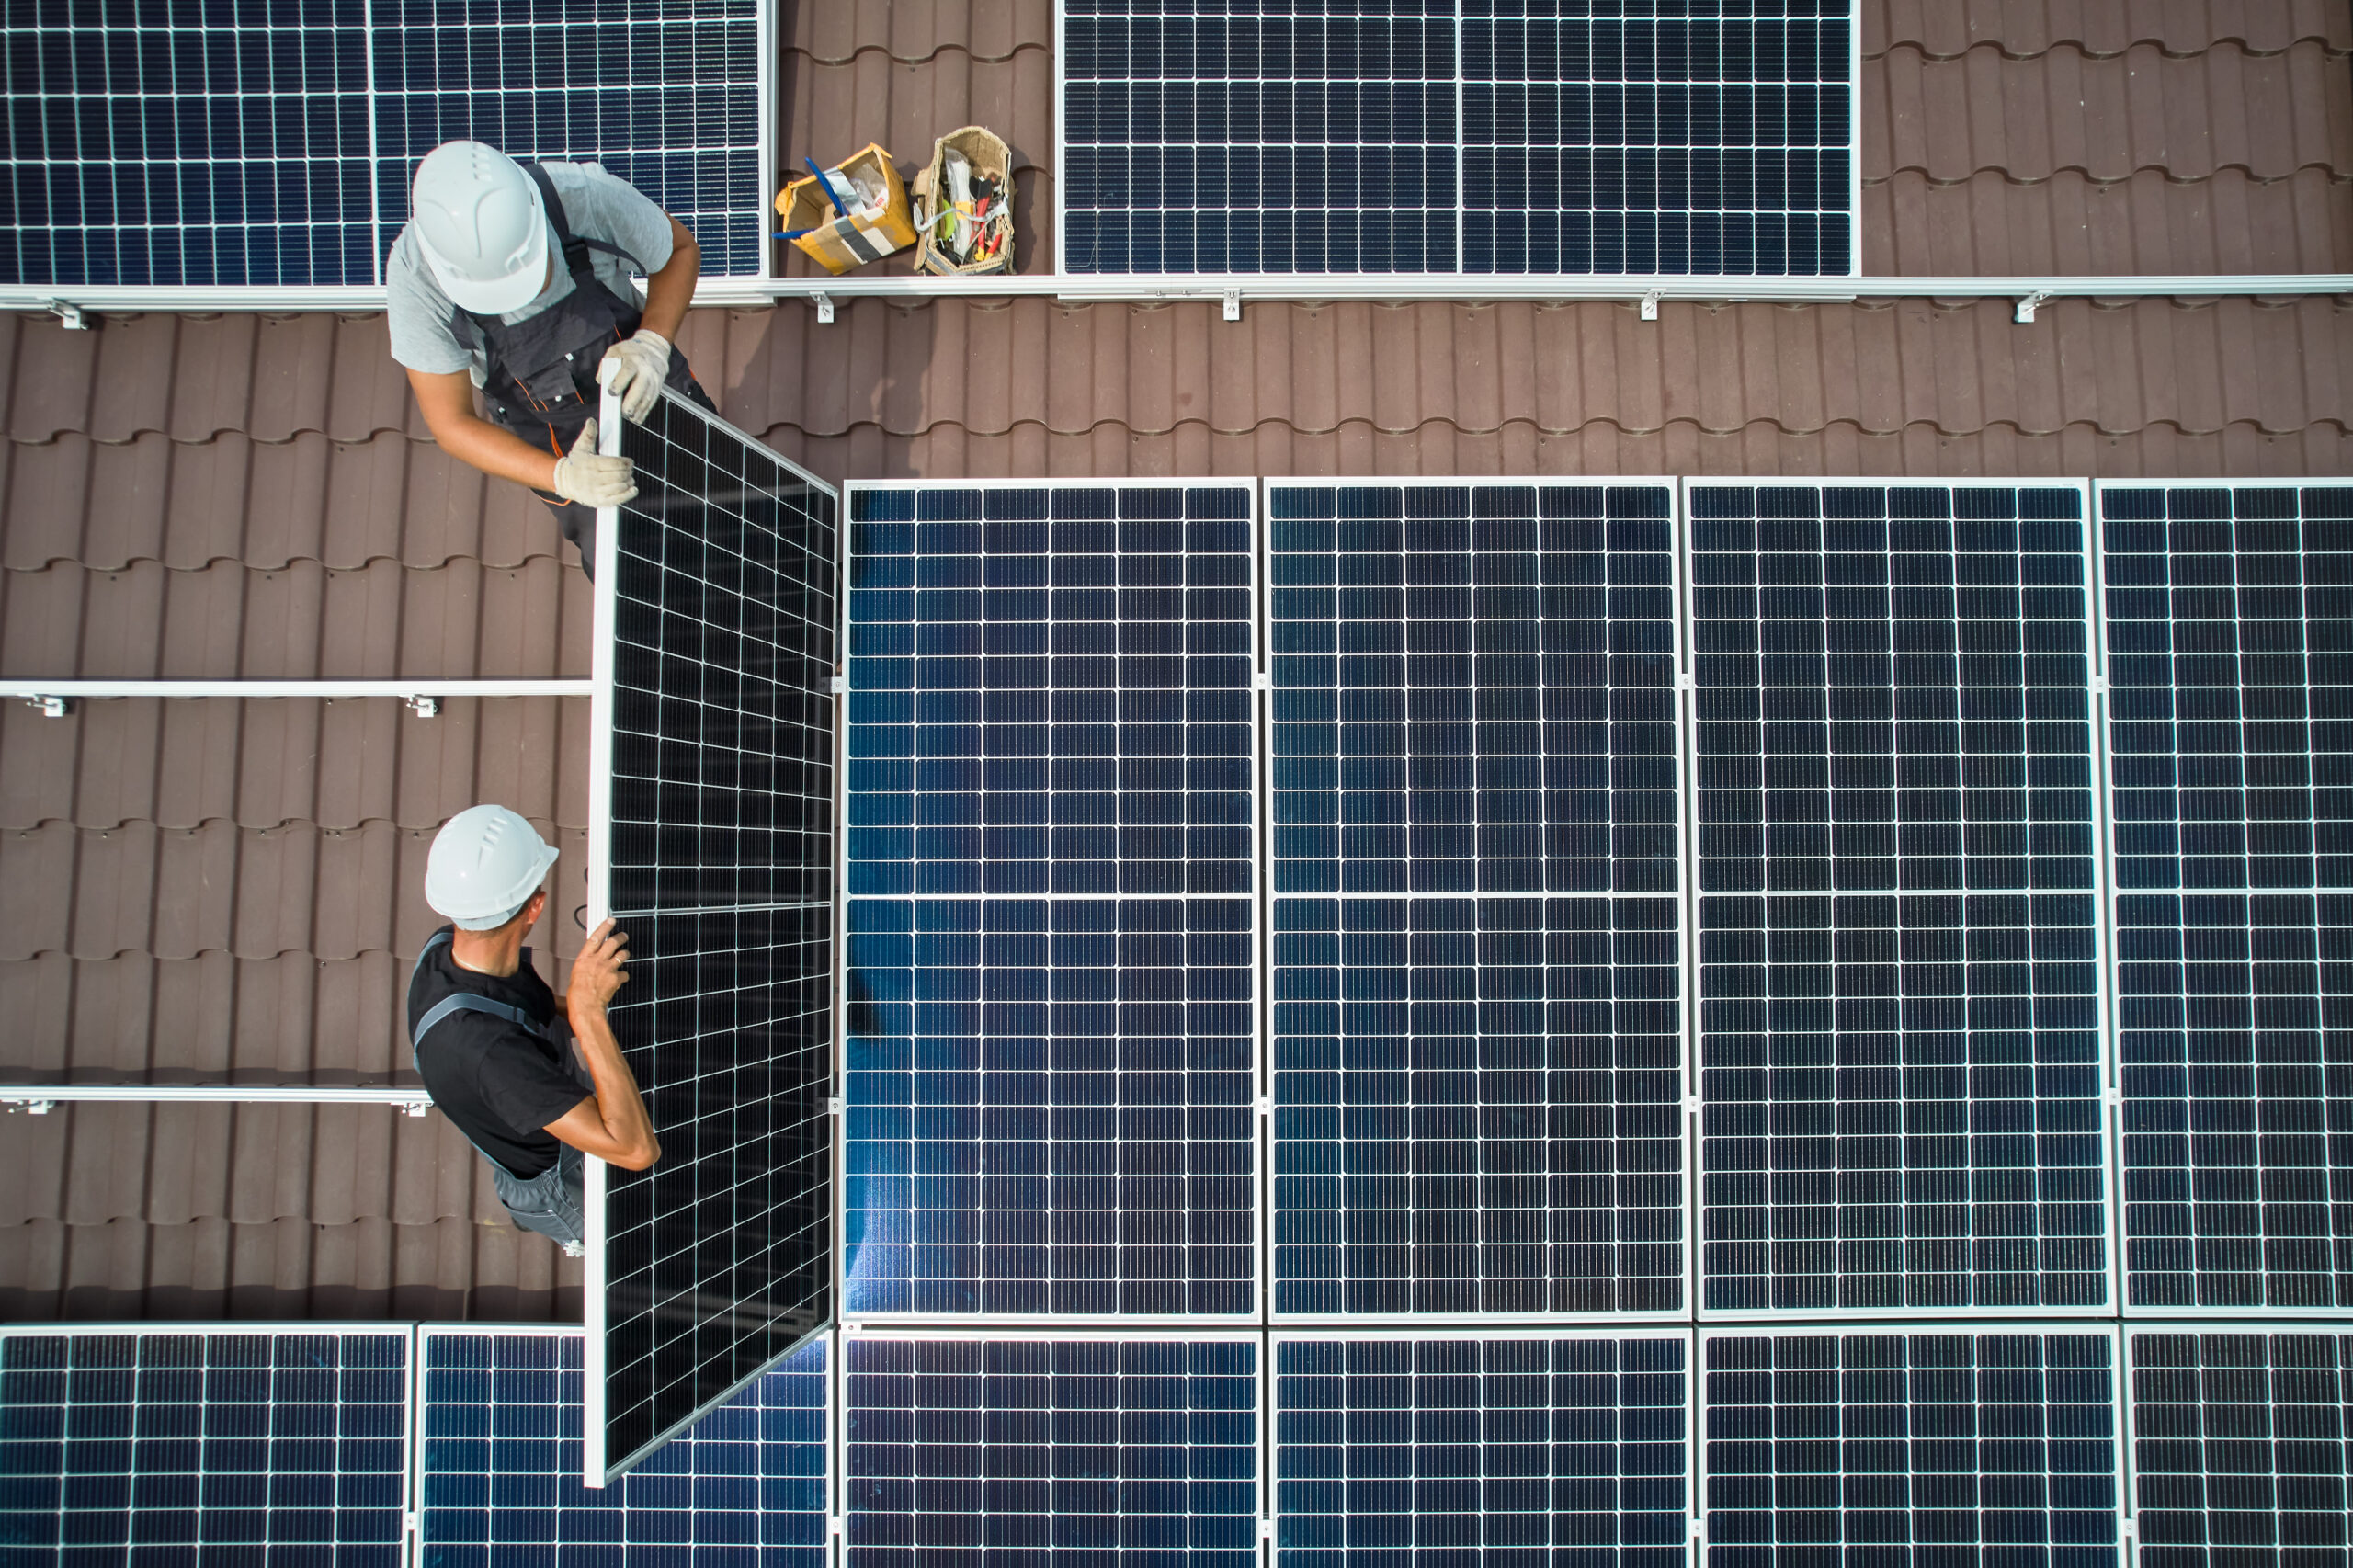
(2238, 1446)
(2230, 665)
(1127, 1452)
(1899, 1028)
(1477, 1100)
(253, 1446)
(1540, 1449)
(1620, 137)
(498, 1477)
(1968, 1449)
(711, 795)
(205, 142)
(1051, 1042)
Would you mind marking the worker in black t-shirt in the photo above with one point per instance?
(497, 1054)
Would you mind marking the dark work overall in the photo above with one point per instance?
(541, 382)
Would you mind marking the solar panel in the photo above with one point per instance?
(499, 1478)
(1954, 1448)
(711, 789)
(1487, 1451)
(1489, 138)
(2238, 1446)
(1127, 1452)
(271, 142)
(1052, 1023)
(2230, 659)
(253, 1446)
(1477, 1100)
(1899, 1024)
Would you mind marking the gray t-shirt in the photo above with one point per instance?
(599, 205)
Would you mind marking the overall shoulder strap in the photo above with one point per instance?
(574, 248)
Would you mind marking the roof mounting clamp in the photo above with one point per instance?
(425, 706)
(2028, 306)
(71, 316)
(1234, 304)
(31, 1108)
(414, 1109)
(1650, 305)
(840, 685)
(52, 707)
(825, 303)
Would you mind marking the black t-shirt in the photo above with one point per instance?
(500, 1083)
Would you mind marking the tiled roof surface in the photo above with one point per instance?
(230, 889)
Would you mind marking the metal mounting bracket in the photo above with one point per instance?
(31, 1108)
(2028, 306)
(1234, 304)
(425, 707)
(52, 707)
(415, 1110)
(1650, 305)
(71, 316)
(840, 685)
(825, 303)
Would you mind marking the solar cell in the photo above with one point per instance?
(2230, 668)
(270, 141)
(2238, 1446)
(710, 797)
(1131, 1453)
(498, 1475)
(1715, 138)
(1899, 1021)
(1049, 690)
(1490, 1451)
(270, 1448)
(1052, 1016)
(1960, 1449)
(1477, 1100)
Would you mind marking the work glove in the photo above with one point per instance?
(635, 370)
(581, 475)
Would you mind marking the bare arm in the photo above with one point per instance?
(448, 404)
(669, 291)
(613, 1126)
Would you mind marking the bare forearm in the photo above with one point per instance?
(669, 291)
(498, 452)
(619, 1106)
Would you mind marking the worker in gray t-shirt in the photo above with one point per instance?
(515, 278)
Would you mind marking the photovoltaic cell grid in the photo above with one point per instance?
(719, 1258)
(1050, 1106)
(1051, 1041)
(2230, 665)
(1961, 1449)
(502, 1426)
(271, 142)
(1474, 688)
(1606, 137)
(663, 93)
(1050, 690)
(1320, 141)
(1488, 1452)
(1490, 138)
(1899, 1048)
(2238, 1447)
(1129, 1454)
(1478, 1105)
(249, 1448)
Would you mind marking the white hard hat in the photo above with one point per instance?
(481, 226)
(485, 864)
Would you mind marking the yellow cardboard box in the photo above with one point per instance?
(838, 243)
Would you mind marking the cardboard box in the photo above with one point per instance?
(838, 243)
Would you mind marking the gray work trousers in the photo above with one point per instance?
(550, 1202)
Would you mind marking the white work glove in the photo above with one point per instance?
(581, 475)
(635, 370)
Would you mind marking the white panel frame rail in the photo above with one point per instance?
(39, 1099)
(56, 698)
(75, 304)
